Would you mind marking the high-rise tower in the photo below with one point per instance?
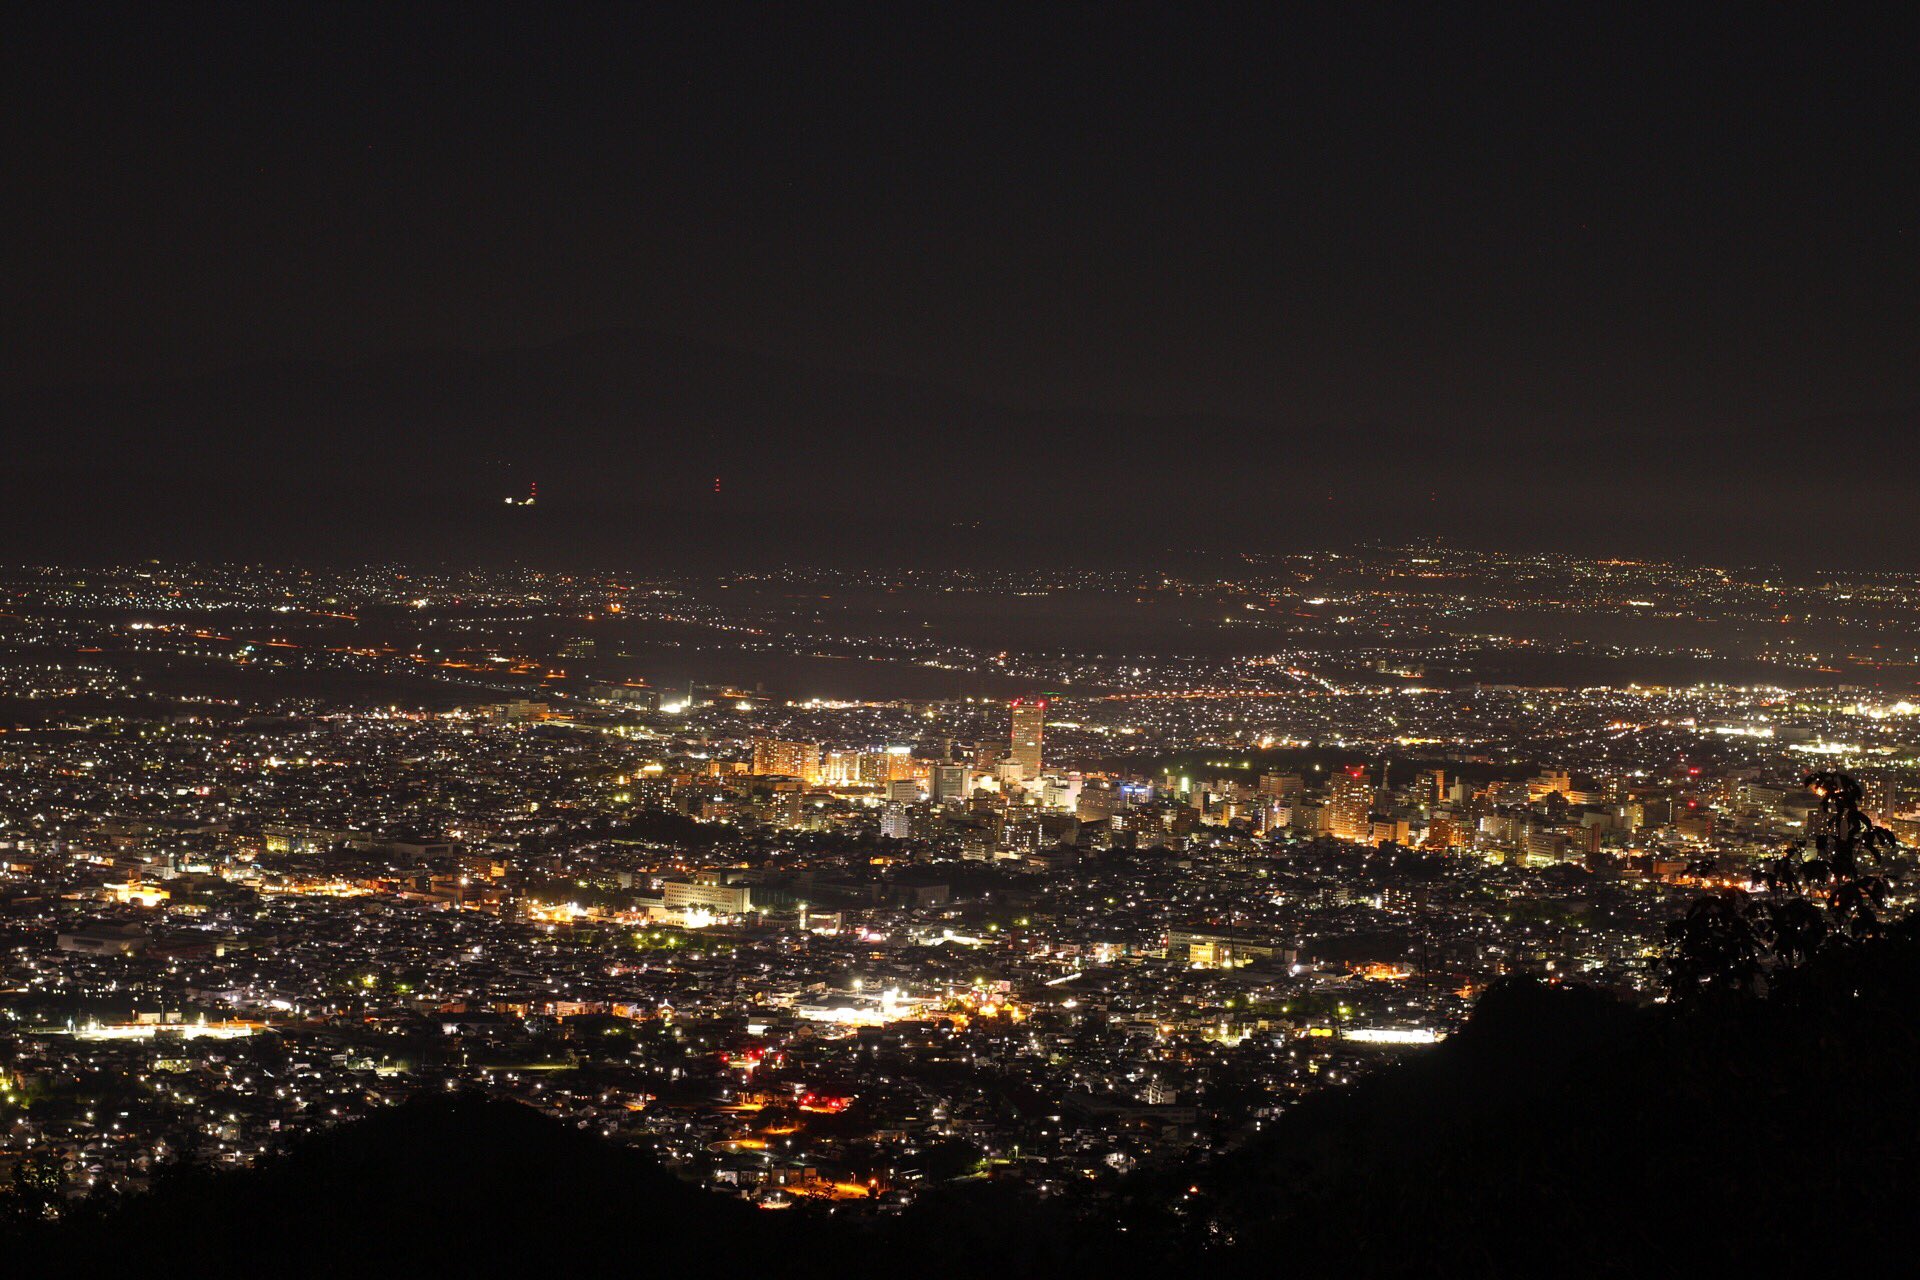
(1029, 724)
(1351, 800)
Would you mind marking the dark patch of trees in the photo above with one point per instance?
(1827, 892)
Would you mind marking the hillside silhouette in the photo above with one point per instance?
(432, 1187)
(1561, 1132)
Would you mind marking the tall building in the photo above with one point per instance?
(1284, 787)
(901, 766)
(1029, 725)
(1350, 804)
(786, 759)
(949, 783)
(840, 767)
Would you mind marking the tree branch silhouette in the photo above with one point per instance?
(1824, 892)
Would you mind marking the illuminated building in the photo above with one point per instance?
(788, 807)
(900, 765)
(772, 757)
(1284, 787)
(1350, 804)
(1550, 783)
(1029, 725)
(949, 783)
(134, 893)
(1546, 846)
(706, 893)
(107, 938)
(1444, 832)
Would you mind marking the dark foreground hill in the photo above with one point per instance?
(465, 1185)
(434, 1187)
(1560, 1134)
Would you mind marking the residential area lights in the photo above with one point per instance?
(796, 943)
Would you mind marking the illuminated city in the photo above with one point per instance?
(432, 832)
(944, 641)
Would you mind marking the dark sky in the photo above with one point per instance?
(1443, 227)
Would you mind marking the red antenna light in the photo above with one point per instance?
(716, 484)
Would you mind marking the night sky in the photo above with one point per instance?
(1271, 276)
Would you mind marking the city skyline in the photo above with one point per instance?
(844, 894)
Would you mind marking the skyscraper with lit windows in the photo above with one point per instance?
(1351, 804)
(1029, 725)
(786, 759)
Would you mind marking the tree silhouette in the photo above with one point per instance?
(34, 1194)
(1824, 892)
